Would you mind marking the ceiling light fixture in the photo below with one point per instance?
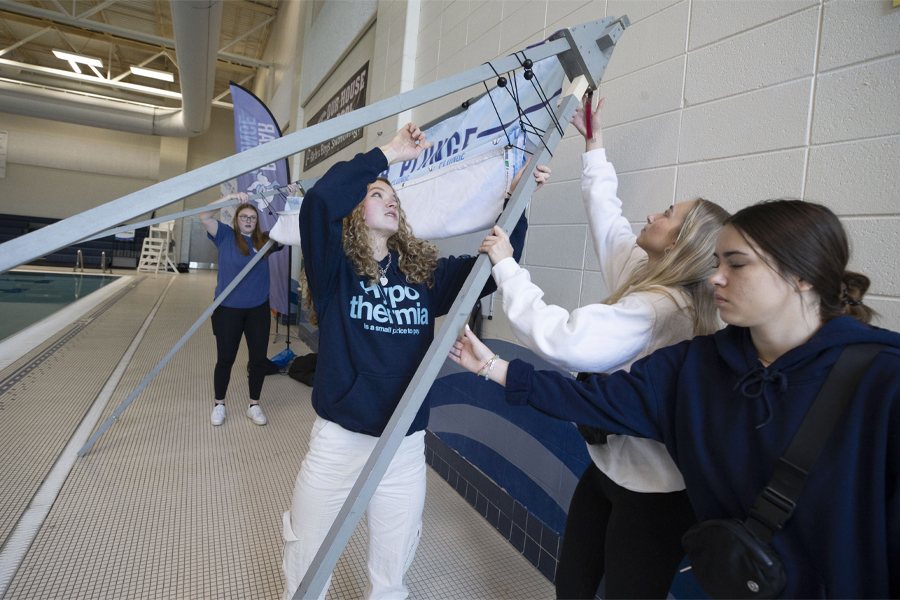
(85, 60)
(162, 75)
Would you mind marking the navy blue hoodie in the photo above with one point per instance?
(726, 420)
(372, 338)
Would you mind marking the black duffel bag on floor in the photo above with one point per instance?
(303, 368)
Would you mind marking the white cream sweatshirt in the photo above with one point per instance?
(601, 338)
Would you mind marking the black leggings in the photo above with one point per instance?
(228, 326)
(634, 538)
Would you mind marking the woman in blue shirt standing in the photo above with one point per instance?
(245, 312)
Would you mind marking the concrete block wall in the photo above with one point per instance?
(733, 101)
(361, 52)
(58, 170)
(736, 102)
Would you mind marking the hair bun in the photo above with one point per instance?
(854, 286)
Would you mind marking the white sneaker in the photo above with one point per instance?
(255, 414)
(218, 414)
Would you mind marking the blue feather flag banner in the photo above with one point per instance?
(254, 125)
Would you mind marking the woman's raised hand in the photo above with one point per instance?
(408, 144)
(541, 176)
(244, 198)
(292, 189)
(496, 245)
(469, 352)
(578, 120)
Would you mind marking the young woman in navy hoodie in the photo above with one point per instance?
(376, 290)
(727, 405)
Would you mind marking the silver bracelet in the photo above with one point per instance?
(490, 367)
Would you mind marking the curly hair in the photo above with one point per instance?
(418, 258)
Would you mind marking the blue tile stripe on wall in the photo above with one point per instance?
(516, 467)
(536, 540)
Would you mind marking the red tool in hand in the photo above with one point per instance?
(587, 114)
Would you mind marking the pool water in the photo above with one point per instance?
(26, 297)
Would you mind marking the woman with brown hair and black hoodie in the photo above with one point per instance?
(727, 405)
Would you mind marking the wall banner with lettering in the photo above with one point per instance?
(351, 97)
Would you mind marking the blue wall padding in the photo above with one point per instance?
(536, 458)
(512, 479)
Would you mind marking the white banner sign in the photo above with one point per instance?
(458, 185)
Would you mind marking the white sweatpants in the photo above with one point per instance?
(335, 458)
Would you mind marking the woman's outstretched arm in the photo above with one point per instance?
(611, 232)
(593, 338)
(334, 197)
(632, 403)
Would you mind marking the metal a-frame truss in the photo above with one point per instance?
(584, 52)
(589, 49)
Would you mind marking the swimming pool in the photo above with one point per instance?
(26, 297)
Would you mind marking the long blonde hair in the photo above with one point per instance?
(685, 267)
(418, 259)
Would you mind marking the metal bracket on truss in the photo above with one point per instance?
(591, 52)
(583, 50)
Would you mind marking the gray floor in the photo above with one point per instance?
(168, 506)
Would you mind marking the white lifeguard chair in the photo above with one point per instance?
(155, 255)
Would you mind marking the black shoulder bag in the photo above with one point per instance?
(733, 559)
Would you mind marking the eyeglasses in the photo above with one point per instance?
(247, 218)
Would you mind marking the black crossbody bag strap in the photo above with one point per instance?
(775, 504)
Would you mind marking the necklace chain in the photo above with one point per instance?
(383, 272)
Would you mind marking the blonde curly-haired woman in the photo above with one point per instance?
(376, 290)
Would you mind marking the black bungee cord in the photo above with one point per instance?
(278, 192)
(522, 115)
(530, 76)
(524, 121)
(501, 82)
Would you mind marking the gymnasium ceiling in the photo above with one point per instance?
(121, 34)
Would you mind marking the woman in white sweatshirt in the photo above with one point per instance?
(629, 510)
